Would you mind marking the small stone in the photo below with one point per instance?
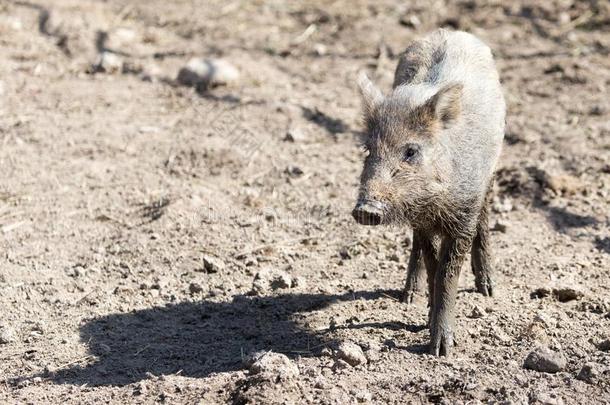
(597, 110)
(294, 171)
(411, 21)
(500, 227)
(363, 396)
(108, 62)
(208, 72)
(604, 345)
(351, 353)
(394, 258)
(270, 363)
(589, 373)
(268, 279)
(7, 334)
(476, 312)
(320, 49)
(195, 288)
(212, 264)
(281, 280)
(545, 360)
(298, 282)
(295, 135)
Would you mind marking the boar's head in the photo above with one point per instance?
(408, 163)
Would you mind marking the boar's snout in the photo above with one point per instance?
(368, 212)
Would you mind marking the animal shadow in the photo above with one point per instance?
(197, 339)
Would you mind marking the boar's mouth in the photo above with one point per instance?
(368, 212)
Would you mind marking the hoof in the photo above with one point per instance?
(442, 343)
(485, 288)
(408, 296)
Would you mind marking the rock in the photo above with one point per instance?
(598, 110)
(476, 312)
(410, 20)
(108, 62)
(589, 373)
(268, 279)
(208, 72)
(195, 288)
(7, 334)
(604, 345)
(298, 282)
(281, 280)
(545, 360)
(500, 226)
(294, 171)
(320, 49)
(363, 396)
(394, 258)
(351, 353)
(272, 364)
(212, 264)
(294, 135)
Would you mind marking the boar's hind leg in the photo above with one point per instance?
(415, 271)
(481, 253)
(442, 320)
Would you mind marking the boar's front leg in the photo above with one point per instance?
(442, 318)
(415, 270)
(481, 252)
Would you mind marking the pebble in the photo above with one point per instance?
(476, 312)
(195, 288)
(209, 72)
(294, 135)
(7, 334)
(545, 360)
(589, 373)
(270, 363)
(212, 264)
(294, 171)
(109, 62)
(500, 226)
(269, 279)
(351, 353)
(604, 345)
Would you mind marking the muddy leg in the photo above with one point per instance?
(415, 271)
(480, 255)
(429, 252)
(442, 321)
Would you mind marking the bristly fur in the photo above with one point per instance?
(447, 98)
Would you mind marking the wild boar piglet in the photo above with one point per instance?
(432, 145)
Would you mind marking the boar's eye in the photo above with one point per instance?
(410, 153)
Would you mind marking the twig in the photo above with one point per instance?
(87, 357)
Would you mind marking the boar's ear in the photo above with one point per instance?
(446, 104)
(371, 95)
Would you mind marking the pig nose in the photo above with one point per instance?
(368, 212)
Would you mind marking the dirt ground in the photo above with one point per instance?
(153, 235)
